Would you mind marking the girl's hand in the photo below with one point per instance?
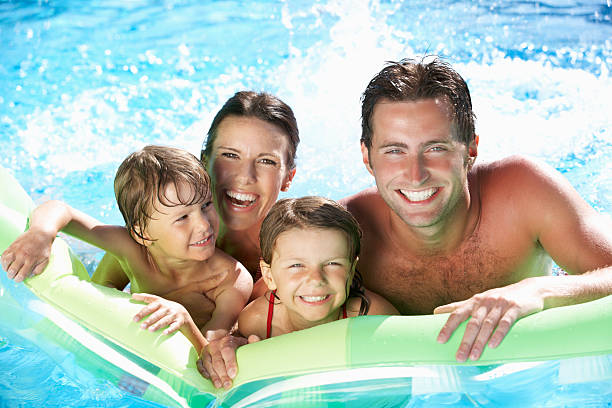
(162, 312)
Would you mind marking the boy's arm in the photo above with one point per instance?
(163, 312)
(230, 298)
(30, 251)
(110, 273)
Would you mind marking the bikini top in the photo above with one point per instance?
(271, 313)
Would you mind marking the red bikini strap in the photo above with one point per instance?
(270, 314)
(344, 315)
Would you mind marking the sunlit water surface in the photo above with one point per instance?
(82, 85)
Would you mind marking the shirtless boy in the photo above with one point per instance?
(166, 249)
(443, 234)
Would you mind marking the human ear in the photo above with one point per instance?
(266, 274)
(473, 147)
(365, 154)
(288, 180)
(472, 151)
(139, 236)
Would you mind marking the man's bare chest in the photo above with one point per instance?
(416, 284)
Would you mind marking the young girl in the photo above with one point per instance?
(310, 247)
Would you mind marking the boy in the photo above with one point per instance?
(167, 247)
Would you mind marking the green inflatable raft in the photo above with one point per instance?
(366, 361)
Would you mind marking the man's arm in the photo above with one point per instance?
(570, 231)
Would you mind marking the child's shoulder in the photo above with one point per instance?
(253, 318)
(228, 273)
(221, 259)
(378, 305)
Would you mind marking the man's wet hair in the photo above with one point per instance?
(410, 80)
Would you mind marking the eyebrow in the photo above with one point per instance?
(259, 155)
(427, 143)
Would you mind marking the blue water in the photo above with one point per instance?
(83, 84)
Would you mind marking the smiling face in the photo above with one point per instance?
(419, 166)
(248, 167)
(182, 232)
(311, 271)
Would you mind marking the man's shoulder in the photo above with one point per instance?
(362, 199)
(514, 171)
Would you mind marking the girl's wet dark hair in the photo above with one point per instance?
(411, 80)
(262, 106)
(314, 212)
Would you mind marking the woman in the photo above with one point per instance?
(250, 155)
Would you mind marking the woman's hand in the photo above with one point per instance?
(218, 359)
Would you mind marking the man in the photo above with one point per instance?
(443, 234)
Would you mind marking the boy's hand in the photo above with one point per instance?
(162, 312)
(27, 255)
(218, 359)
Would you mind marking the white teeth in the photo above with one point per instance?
(313, 298)
(202, 241)
(241, 196)
(419, 195)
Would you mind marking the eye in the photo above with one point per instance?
(333, 263)
(392, 151)
(296, 265)
(207, 205)
(181, 218)
(230, 155)
(437, 149)
(269, 162)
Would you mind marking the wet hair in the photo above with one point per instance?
(143, 176)
(262, 106)
(313, 212)
(411, 80)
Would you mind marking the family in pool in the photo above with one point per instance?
(219, 259)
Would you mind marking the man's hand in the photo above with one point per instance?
(492, 315)
(218, 359)
(27, 255)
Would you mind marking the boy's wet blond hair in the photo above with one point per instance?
(143, 176)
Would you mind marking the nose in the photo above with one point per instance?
(416, 170)
(316, 274)
(203, 222)
(246, 172)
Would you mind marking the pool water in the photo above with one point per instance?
(83, 84)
